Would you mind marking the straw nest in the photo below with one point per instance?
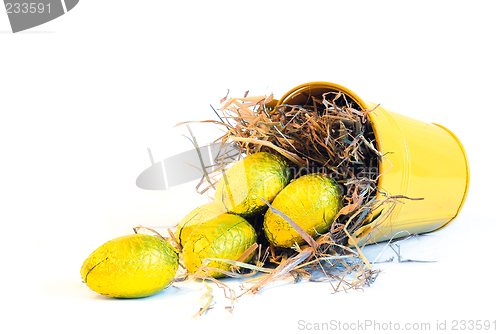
(330, 134)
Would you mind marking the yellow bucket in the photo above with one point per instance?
(424, 160)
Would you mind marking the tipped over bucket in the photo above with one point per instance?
(424, 160)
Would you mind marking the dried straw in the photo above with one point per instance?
(328, 134)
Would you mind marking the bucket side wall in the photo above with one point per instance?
(438, 173)
(426, 161)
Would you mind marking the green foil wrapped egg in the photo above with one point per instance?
(312, 201)
(131, 266)
(195, 218)
(227, 236)
(243, 185)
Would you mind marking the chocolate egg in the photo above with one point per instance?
(227, 236)
(131, 266)
(312, 201)
(195, 218)
(243, 185)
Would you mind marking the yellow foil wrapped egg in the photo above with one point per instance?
(227, 236)
(195, 218)
(259, 175)
(131, 266)
(312, 201)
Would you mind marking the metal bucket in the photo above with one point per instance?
(428, 161)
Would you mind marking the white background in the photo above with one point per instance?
(84, 96)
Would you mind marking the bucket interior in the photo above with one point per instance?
(310, 96)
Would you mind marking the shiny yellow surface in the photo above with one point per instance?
(312, 201)
(195, 218)
(131, 266)
(243, 185)
(428, 162)
(425, 160)
(227, 236)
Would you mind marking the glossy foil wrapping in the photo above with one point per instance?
(259, 175)
(195, 218)
(226, 237)
(131, 266)
(312, 201)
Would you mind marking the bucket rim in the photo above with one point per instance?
(323, 84)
